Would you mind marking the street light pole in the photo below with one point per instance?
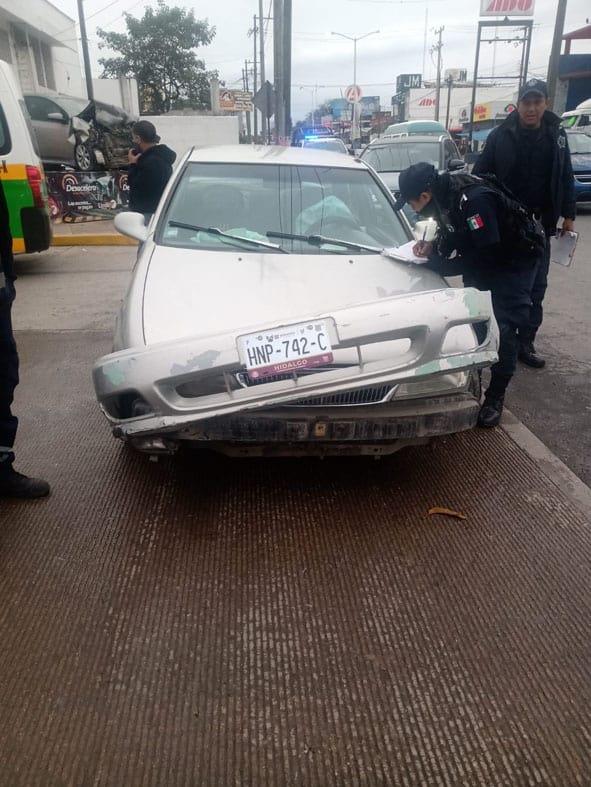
(354, 39)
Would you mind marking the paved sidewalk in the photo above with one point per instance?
(89, 233)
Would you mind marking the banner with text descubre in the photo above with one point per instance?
(86, 196)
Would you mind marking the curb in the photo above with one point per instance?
(549, 464)
(99, 239)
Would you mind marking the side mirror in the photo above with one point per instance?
(456, 164)
(426, 230)
(131, 224)
(57, 117)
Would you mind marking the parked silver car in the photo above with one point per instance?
(265, 316)
(77, 133)
(389, 156)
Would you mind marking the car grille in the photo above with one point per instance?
(360, 396)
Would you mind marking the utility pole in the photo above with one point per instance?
(254, 76)
(266, 129)
(555, 52)
(278, 63)
(438, 46)
(85, 55)
(450, 83)
(287, 16)
(245, 81)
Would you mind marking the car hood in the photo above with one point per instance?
(581, 162)
(196, 292)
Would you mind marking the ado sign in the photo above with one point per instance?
(353, 94)
(507, 7)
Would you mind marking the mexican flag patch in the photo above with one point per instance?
(475, 222)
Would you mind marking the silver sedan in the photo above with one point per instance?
(271, 312)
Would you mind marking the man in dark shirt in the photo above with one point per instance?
(12, 484)
(529, 153)
(471, 224)
(150, 168)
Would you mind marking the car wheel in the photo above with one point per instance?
(83, 157)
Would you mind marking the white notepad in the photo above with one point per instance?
(562, 248)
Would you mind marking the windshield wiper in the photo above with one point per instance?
(216, 231)
(321, 240)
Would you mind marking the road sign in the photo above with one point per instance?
(507, 7)
(265, 97)
(353, 94)
(235, 100)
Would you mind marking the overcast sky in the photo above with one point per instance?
(327, 61)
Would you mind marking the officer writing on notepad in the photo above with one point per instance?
(493, 242)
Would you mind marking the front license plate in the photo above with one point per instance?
(284, 350)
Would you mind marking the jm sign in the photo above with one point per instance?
(507, 7)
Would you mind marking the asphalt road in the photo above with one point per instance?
(555, 403)
(205, 621)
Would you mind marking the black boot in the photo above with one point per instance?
(491, 411)
(13, 484)
(529, 356)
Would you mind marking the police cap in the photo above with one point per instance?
(534, 87)
(414, 181)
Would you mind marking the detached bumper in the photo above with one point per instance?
(155, 373)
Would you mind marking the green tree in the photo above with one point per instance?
(159, 51)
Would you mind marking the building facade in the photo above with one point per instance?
(40, 43)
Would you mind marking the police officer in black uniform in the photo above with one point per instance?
(12, 483)
(529, 153)
(472, 224)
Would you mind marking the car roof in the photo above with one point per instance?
(386, 141)
(274, 154)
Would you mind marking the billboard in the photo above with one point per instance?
(507, 7)
(86, 196)
(408, 82)
(370, 105)
(235, 101)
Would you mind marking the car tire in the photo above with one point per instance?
(83, 157)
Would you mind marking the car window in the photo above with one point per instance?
(395, 158)
(5, 142)
(250, 200)
(584, 121)
(450, 151)
(579, 144)
(40, 107)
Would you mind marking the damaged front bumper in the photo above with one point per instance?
(155, 374)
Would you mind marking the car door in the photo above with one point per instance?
(52, 127)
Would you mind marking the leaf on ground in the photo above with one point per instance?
(446, 512)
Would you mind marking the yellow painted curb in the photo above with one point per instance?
(102, 239)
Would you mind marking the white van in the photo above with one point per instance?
(578, 119)
(21, 170)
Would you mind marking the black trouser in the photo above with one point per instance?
(8, 382)
(539, 287)
(510, 288)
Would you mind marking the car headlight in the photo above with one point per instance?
(442, 384)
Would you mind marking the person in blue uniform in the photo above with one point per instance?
(473, 225)
(529, 153)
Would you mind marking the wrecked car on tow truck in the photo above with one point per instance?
(267, 316)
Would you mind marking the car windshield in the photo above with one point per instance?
(395, 158)
(334, 145)
(253, 200)
(579, 144)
